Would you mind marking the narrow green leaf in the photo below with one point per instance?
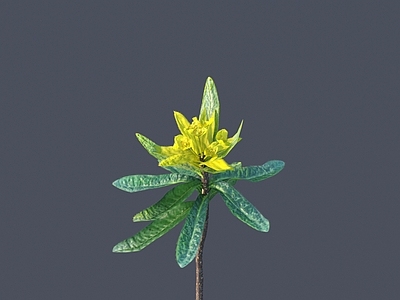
(190, 236)
(241, 208)
(150, 146)
(271, 168)
(136, 183)
(252, 173)
(156, 229)
(173, 197)
(210, 103)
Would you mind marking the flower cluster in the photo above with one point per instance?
(200, 145)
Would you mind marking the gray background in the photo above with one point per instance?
(317, 84)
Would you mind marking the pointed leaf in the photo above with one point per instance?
(136, 183)
(190, 236)
(210, 103)
(150, 146)
(241, 208)
(252, 173)
(233, 141)
(173, 197)
(155, 230)
(185, 169)
(271, 168)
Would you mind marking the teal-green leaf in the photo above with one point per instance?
(240, 207)
(252, 173)
(210, 103)
(236, 164)
(271, 168)
(136, 183)
(173, 197)
(155, 230)
(190, 236)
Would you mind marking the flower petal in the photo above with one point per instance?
(211, 128)
(222, 135)
(218, 165)
(167, 151)
(186, 157)
(182, 122)
(181, 142)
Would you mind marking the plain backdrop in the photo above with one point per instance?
(317, 85)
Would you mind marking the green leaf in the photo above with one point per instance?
(233, 141)
(210, 103)
(150, 146)
(236, 164)
(241, 208)
(190, 236)
(155, 151)
(252, 173)
(173, 197)
(136, 183)
(184, 169)
(155, 230)
(271, 168)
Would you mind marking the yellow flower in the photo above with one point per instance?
(200, 145)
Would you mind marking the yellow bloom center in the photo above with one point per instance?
(199, 146)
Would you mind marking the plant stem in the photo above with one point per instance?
(199, 263)
(199, 255)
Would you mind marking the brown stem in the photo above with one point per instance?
(199, 262)
(199, 255)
